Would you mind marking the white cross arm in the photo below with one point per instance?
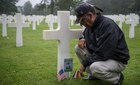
(26, 24)
(58, 34)
(51, 35)
(75, 33)
(14, 24)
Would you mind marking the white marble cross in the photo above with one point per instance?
(10, 18)
(38, 20)
(34, 20)
(121, 20)
(63, 34)
(4, 25)
(132, 19)
(0, 18)
(29, 18)
(19, 25)
(72, 20)
(41, 18)
(50, 21)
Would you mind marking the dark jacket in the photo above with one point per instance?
(104, 41)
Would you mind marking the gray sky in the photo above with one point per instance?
(33, 2)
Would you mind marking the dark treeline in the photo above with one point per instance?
(52, 6)
(8, 6)
(118, 6)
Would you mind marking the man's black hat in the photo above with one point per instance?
(84, 8)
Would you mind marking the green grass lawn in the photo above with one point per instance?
(36, 62)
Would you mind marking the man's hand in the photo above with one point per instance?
(82, 43)
(82, 69)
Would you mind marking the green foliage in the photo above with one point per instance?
(36, 62)
(27, 8)
(117, 7)
(39, 10)
(63, 6)
(56, 5)
(8, 6)
(109, 6)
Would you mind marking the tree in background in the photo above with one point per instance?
(8, 6)
(38, 11)
(47, 4)
(68, 5)
(27, 8)
(20, 9)
(137, 6)
(117, 6)
(52, 6)
(55, 5)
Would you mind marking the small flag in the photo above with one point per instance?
(61, 75)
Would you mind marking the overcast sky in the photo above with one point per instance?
(33, 2)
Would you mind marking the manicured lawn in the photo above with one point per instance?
(35, 63)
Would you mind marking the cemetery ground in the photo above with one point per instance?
(36, 62)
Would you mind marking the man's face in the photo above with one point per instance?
(83, 20)
(87, 20)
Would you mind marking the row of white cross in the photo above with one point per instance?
(131, 19)
(63, 34)
(19, 22)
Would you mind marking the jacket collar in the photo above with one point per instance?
(97, 22)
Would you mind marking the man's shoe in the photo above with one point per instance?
(89, 78)
(120, 80)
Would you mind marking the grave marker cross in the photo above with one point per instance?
(19, 25)
(63, 34)
(133, 21)
(4, 25)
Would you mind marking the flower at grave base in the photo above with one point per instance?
(77, 74)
